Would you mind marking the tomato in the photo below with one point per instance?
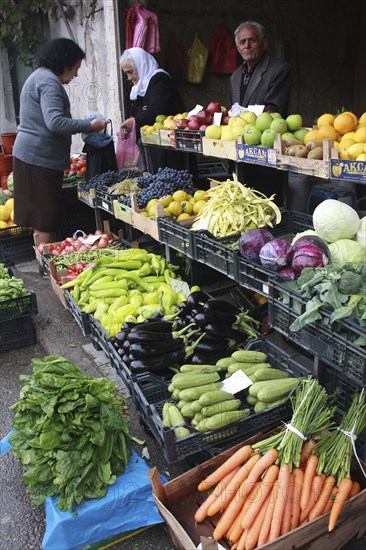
(81, 171)
(73, 167)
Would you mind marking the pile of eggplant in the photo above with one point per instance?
(201, 331)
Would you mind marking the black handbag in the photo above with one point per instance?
(100, 159)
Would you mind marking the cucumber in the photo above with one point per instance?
(229, 405)
(213, 397)
(191, 408)
(274, 389)
(191, 394)
(249, 356)
(176, 419)
(261, 406)
(221, 420)
(188, 380)
(270, 374)
(251, 400)
(165, 414)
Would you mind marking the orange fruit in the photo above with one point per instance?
(175, 208)
(180, 196)
(325, 120)
(313, 135)
(327, 131)
(360, 135)
(344, 123)
(352, 115)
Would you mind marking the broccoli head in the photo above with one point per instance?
(306, 275)
(350, 282)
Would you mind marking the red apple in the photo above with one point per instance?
(182, 123)
(193, 123)
(203, 127)
(213, 107)
(202, 117)
(225, 120)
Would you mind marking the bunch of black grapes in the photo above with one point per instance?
(100, 181)
(165, 182)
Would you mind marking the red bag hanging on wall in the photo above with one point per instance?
(223, 52)
(142, 29)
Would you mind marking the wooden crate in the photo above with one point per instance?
(55, 278)
(150, 139)
(311, 167)
(122, 212)
(148, 226)
(178, 500)
(221, 149)
(167, 138)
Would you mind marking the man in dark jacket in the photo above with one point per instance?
(261, 79)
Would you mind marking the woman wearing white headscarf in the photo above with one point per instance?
(153, 93)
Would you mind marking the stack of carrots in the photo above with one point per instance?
(266, 490)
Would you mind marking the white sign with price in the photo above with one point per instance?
(236, 382)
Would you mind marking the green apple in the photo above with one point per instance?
(294, 122)
(233, 119)
(279, 125)
(300, 134)
(237, 130)
(227, 133)
(213, 131)
(252, 134)
(276, 115)
(249, 116)
(288, 135)
(263, 121)
(160, 118)
(268, 137)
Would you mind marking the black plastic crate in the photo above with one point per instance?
(334, 344)
(100, 338)
(16, 245)
(150, 392)
(253, 275)
(17, 333)
(17, 307)
(178, 236)
(221, 254)
(119, 366)
(82, 319)
(104, 200)
(189, 140)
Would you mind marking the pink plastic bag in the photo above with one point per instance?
(128, 153)
(142, 29)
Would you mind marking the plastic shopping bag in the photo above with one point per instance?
(98, 139)
(222, 52)
(142, 30)
(197, 54)
(128, 153)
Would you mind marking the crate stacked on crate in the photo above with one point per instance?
(16, 245)
(150, 392)
(16, 313)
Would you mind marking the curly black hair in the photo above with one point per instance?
(59, 55)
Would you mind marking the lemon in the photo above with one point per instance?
(348, 135)
(175, 208)
(343, 153)
(362, 119)
(150, 130)
(200, 195)
(346, 143)
(355, 150)
(180, 196)
(12, 215)
(10, 204)
(5, 212)
(360, 135)
(197, 207)
(183, 216)
(187, 207)
(3, 224)
(361, 157)
(165, 200)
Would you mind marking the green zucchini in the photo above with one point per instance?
(191, 408)
(176, 395)
(216, 396)
(188, 380)
(251, 400)
(271, 390)
(229, 405)
(270, 374)
(198, 369)
(181, 403)
(176, 420)
(261, 406)
(197, 419)
(165, 414)
(247, 356)
(224, 362)
(191, 394)
(221, 420)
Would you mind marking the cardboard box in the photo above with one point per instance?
(86, 196)
(257, 155)
(178, 500)
(311, 167)
(220, 149)
(150, 139)
(167, 138)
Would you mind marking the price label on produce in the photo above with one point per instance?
(196, 110)
(179, 286)
(236, 382)
(91, 239)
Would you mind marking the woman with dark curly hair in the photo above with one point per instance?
(41, 151)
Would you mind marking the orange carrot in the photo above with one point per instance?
(201, 513)
(283, 484)
(235, 531)
(316, 487)
(237, 459)
(309, 474)
(296, 510)
(231, 512)
(265, 488)
(286, 518)
(266, 525)
(344, 489)
(324, 496)
(254, 530)
(331, 500)
(307, 450)
(228, 494)
(356, 488)
(241, 542)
